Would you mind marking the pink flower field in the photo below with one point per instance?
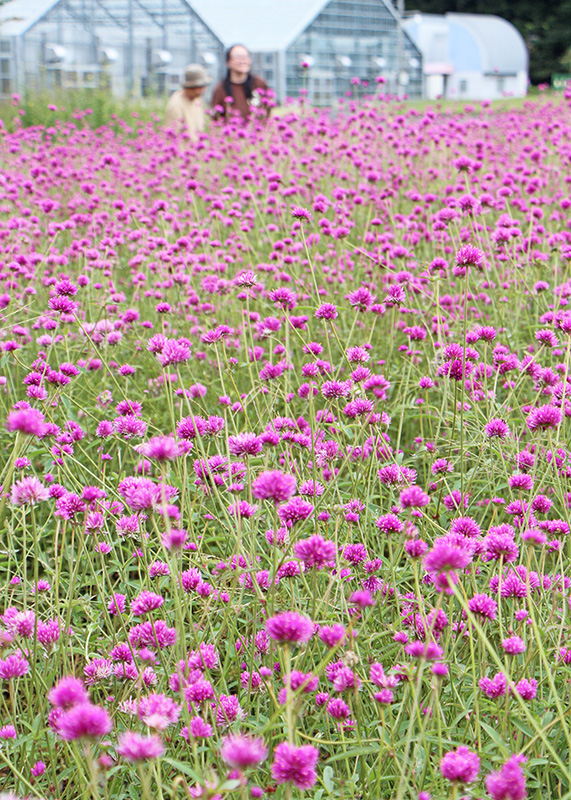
(286, 475)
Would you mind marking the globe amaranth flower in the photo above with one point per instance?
(514, 645)
(527, 689)
(413, 497)
(26, 420)
(298, 212)
(544, 418)
(508, 783)
(67, 692)
(468, 255)
(135, 747)
(295, 510)
(446, 556)
(28, 491)
(460, 765)
(316, 552)
(295, 765)
(160, 448)
(494, 687)
(13, 666)
(332, 635)
(274, 485)
(241, 751)
(158, 711)
(84, 720)
(483, 605)
(289, 627)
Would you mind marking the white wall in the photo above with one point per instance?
(476, 86)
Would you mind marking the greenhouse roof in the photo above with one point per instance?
(19, 15)
(262, 25)
(501, 45)
(470, 42)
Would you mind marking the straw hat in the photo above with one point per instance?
(195, 76)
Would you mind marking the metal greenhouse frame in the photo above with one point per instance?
(142, 46)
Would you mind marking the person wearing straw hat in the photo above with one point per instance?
(185, 108)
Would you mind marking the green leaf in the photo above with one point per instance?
(184, 768)
(328, 778)
(495, 736)
(229, 786)
(356, 751)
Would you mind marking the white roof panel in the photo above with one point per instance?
(502, 46)
(261, 25)
(19, 15)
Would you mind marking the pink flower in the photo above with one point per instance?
(245, 444)
(274, 485)
(460, 765)
(295, 765)
(494, 687)
(26, 420)
(160, 448)
(332, 635)
(13, 666)
(316, 552)
(134, 747)
(514, 645)
(241, 751)
(508, 783)
(544, 418)
(68, 692)
(28, 491)
(498, 428)
(446, 556)
(159, 711)
(468, 255)
(295, 510)
(146, 602)
(413, 497)
(84, 720)
(289, 627)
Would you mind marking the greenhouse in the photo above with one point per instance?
(470, 56)
(141, 47)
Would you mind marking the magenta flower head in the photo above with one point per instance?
(295, 510)
(332, 635)
(460, 765)
(469, 256)
(160, 448)
(68, 692)
(28, 491)
(26, 420)
(289, 627)
(514, 645)
(508, 783)
(83, 721)
(497, 428)
(274, 485)
(413, 497)
(134, 747)
(298, 212)
(295, 765)
(316, 552)
(13, 666)
(445, 556)
(544, 418)
(362, 598)
(241, 751)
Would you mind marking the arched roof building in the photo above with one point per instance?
(470, 56)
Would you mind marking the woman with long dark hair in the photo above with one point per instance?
(239, 84)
